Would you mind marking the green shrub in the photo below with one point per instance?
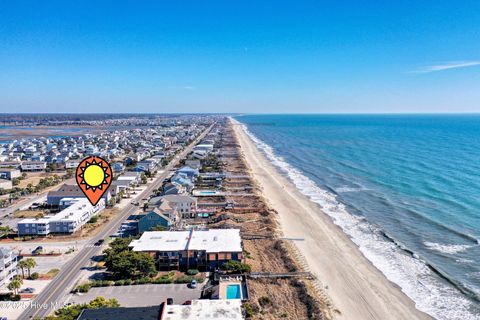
(119, 282)
(192, 272)
(102, 283)
(163, 280)
(83, 288)
(34, 276)
(15, 297)
(184, 279)
(250, 309)
(127, 282)
(233, 266)
(93, 219)
(144, 281)
(264, 301)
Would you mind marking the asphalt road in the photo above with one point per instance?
(48, 300)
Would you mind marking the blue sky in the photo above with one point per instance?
(240, 56)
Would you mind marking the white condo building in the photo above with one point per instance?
(8, 266)
(68, 220)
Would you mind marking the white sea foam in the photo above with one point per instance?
(426, 289)
(350, 189)
(447, 248)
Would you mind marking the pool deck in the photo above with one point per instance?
(223, 289)
(208, 193)
(223, 285)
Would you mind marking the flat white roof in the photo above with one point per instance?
(213, 240)
(73, 212)
(204, 309)
(161, 241)
(128, 178)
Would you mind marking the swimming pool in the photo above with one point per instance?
(208, 192)
(233, 291)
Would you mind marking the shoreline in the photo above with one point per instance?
(357, 288)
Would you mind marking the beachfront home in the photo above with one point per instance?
(184, 204)
(8, 265)
(195, 164)
(191, 173)
(68, 220)
(153, 219)
(182, 180)
(172, 188)
(205, 249)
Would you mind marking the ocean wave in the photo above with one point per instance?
(350, 189)
(447, 248)
(415, 276)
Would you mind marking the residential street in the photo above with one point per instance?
(58, 289)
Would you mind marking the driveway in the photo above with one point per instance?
(141, 295)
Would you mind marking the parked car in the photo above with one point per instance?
(169, 301)
(193, 284)
(37, 250)
(28, 290)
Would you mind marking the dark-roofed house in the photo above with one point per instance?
(139, 313)
(229, 309)
(190, 172)
(172, 188)
(70, 191)
(153, 219)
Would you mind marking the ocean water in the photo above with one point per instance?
(405, 188)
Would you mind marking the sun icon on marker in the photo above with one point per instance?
(94, 175)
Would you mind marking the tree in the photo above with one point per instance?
(23, 264)
(72, 312)
(145, 206)
(233, 266)
(5, 231)
(14, 285)
(30, 264)
(130, 264)
(124, 263)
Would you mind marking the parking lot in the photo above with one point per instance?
(141, 295)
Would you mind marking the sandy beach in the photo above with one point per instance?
(358, 290)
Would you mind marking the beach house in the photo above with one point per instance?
(184, 204)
